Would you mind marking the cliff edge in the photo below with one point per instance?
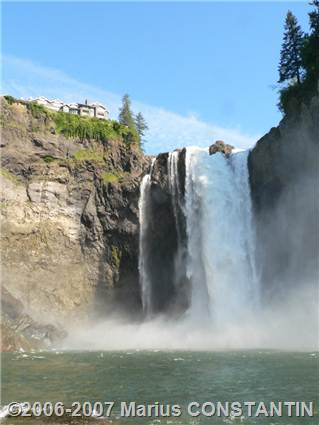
(69, 213)
(284, 178)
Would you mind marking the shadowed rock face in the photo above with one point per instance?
(162, 237)
(284, 181)
(69, 240)
(166, 234)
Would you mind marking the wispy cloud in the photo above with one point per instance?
(167, 130)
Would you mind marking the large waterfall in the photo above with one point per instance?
(220, 233)
(198, 283)
(217, 255)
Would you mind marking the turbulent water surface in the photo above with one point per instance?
(166, 377)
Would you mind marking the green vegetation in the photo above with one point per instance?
(38, 111)
(10, 176)
(116, 256)
(290, 55)
(112, 177)
(299, 61)
(85, 128)
(108, 177)
(136, 125)
(90, 154)
(48, 159)
(141, 125)
(10, 99)
(126, 116)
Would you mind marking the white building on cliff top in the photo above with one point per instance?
(94, 110)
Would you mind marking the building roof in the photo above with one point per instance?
(86, 105)
(90, 105)
(98, 104)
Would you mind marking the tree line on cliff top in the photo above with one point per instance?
(299, 61)
(136, 123)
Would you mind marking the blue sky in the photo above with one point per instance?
(197, 70)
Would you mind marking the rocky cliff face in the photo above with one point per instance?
(70, 230)
(69, 211)
(167, 236)
(284, 177)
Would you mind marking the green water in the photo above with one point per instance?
(166, 377)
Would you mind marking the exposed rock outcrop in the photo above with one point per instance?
(167, 233)
(220, 146)
(284, 176)
(19, 332)
(69, 210)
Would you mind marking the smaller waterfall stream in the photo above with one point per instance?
(144, 211)
(180, 282)
(174, 187)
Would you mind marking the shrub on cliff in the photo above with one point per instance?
(94, 128)
(85, 127)
(10, 99)
(37, 111)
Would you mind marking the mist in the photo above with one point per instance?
(284, 315)
(290, 323)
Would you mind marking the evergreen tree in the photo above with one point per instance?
(290, 55)
(126, 116)
(310, 51)
(312, 42)
(314, 19)
(141, 125)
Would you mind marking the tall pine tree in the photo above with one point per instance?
(310, 52)
(314, 19)
(141, 125)
(290, 66)
(126, 116)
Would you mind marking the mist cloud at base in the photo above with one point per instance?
(290, 323)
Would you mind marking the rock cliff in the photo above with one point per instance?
(167, 236)
(69, 211)
(284, 176)
(70, 229)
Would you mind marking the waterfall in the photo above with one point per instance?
(179, 214)
(144, 212)
(220, 233)
(174, 187)
(213, 265)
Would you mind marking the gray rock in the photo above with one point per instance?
(69, 240)
(220, 146)
(284, 178)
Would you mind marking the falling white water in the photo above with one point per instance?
(144, 213)
(220, 236)
(220, 267)
(174, 186)
(175, 190)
